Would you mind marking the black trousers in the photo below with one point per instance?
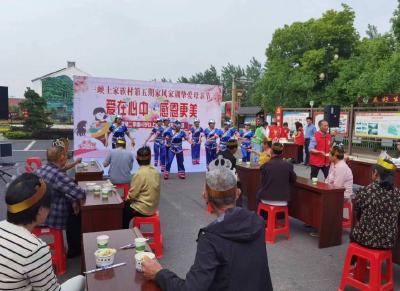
(307, 152)
(300, 154)
(315, 171)
(73, 232)
(128, 214)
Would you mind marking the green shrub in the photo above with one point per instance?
(18, 135)
(4, 129)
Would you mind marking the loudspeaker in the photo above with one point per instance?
(5, 150)
(3, 102)
(332, 115)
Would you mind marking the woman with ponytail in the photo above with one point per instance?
(377, 207)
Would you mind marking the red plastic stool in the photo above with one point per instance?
(273, 228)
(32, 163)
(360, 270)
(125, 187)
(346, 222)
(209, 208)
(57, 247)
(157, 243)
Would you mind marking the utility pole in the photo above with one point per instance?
(233, 119)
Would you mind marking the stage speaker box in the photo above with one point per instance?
(332, 115)
(3, 102)
(5, 150)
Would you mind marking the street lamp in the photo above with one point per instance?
(235, 95)
(311, 105)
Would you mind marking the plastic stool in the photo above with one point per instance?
(346, 222)
(360, 270)
(57, 247)
(32, 163)
(273, 228)
(157, 243)
(209, 208)
(125, 187)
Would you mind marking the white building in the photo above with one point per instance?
(69, 71)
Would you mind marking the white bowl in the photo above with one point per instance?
(104, 260)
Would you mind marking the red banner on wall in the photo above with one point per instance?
(279, 115)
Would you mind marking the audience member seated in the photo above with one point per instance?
(120, 161)
(377, 207)
(276, 177)
(64, 213)
(64, 143)
(25, 261)
(266, 154)
(231, 253)
(340, 175)
(230, 151)
(144, 194)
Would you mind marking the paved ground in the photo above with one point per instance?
(295, 265)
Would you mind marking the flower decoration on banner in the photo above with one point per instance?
(80, 84)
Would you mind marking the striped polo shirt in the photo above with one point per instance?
(25, 261)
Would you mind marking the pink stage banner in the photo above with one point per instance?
(98, 100)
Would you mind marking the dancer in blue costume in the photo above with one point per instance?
(195, 133)
(156, 135)
(175, 142)
(211, 135)
(164, 149)
(245, 137)
(119, 130)
(226, 134)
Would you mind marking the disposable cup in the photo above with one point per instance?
(97, 189)
(140, 244)
(102, 241)
(139, 259)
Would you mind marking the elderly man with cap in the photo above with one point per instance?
(144, 192)
(120, 161)
(226, 134)
(119, 130)
(276, 177)
(246, 135)
(176, 149)
(156, 135)
(195, 134)
(231, 253)
(25, 261)
(66, 196)
(211, 135)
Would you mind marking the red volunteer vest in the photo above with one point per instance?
(285, 132)
(323, 144)
(274, 132)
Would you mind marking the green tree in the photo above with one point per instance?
(229, 72)
(303, 59)
(38, 117)
(368, 72)
(209, 76)
(372, 32)
(396, 22)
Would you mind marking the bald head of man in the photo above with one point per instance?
(56, 155)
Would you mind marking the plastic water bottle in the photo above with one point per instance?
(255, 159)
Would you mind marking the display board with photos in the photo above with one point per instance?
(377, 124)
(291, 117)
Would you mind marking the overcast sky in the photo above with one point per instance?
(146, 39)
